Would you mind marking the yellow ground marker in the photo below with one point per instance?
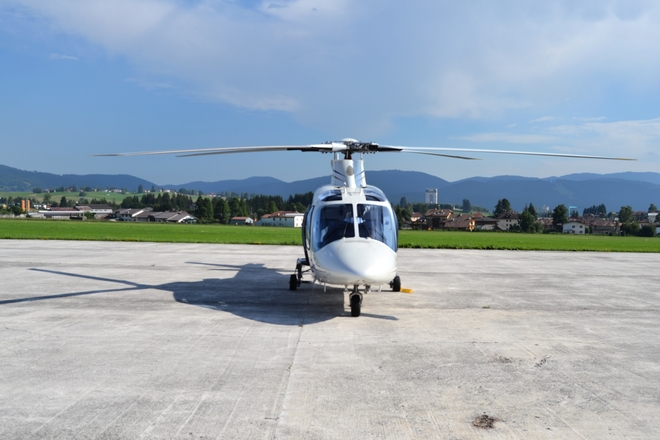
(406, 290)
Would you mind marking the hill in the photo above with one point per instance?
(13, 179)
(638, 190)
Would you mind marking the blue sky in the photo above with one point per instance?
(80, 77)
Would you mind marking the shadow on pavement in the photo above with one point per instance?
(255, 292)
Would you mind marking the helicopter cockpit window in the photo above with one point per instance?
(374, 194)
(332, 223)
(331, 196)
(377, 222)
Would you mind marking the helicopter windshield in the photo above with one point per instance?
(334, 222)
(377, 222)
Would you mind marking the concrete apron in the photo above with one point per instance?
(147, 340)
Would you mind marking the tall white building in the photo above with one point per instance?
(432, 195)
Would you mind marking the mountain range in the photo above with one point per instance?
(582, 190)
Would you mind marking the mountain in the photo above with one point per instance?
(13, 179)
(641, 177)
(394, 183)
(613, 192)
(638, 190)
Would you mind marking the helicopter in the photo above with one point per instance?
(350, 231)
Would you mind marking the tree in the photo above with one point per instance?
(399, 215)
(630, 228)
(626, 214)
(237, 207)
(647, 231)
(47, 198)
(467, 206)
(165, 202)
(140, 189)
(527, 221)
(204, 209)
(652, 208)
(403, 202)
(221, 210)
(559, 215)
(63, 202)
(502, 206)
(532, 211)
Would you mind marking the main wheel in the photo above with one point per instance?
(355, 305)
(293, 282)
(396, 284)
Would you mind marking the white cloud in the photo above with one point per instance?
(636, 138)
(543, 119)
(510, 138)
(351, 66)
(57, 56)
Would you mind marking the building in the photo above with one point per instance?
(171, 217)
(462, 222)
(241, 221)
(63, 214)
(574, 227)
(97, 209)
(132, 215)
(432, 196)
(436, 218)
(508, 220)
(603, 227)
(288, 219)
(485, 223)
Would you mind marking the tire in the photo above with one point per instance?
(396, 284)
(355, 306)
(293, 282)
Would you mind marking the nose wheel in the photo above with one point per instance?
(355, 300)
(356, 304)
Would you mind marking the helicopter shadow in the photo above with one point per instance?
(261, 294)
(254, 292)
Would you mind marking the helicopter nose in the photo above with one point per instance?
(357, 262)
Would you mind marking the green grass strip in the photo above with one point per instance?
(173, 233)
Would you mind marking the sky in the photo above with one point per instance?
(81, 77)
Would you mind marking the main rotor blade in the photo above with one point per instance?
(431, 150)
(444, 155)
(331, 147)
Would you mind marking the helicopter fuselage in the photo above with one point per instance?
(350, 236)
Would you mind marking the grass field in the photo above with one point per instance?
(57, 196)
(161, 232)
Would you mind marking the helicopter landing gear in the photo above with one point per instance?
(395, 284)
(295, 280)
(355, 299)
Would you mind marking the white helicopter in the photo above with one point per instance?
(350, 232)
